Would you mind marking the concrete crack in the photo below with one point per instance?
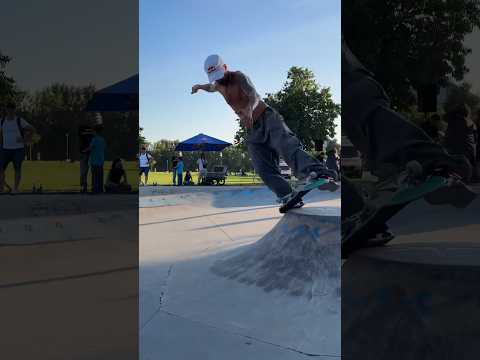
(162, 298)
(288, 348)
(219, 227)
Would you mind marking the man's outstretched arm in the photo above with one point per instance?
(206, 87)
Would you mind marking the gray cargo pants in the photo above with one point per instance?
(382, 135)
(269, 139)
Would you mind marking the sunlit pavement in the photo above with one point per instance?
(186, 312)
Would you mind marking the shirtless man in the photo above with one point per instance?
(268, 137)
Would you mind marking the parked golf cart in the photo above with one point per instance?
(217, 176)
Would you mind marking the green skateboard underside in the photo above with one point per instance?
(369, 223)
(415, 192)
(301, 191)
(313, 185)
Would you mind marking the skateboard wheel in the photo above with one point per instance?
(414, 168)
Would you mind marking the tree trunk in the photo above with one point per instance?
(319, 145)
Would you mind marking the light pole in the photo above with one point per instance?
(68, 154)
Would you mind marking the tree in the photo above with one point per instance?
(6, 83)
(410, 44)
(56, 112)
(308, 109)
(8, 88)
(141, 139)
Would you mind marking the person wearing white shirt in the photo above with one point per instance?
(202, 171)
(14, 133)
(144, 159)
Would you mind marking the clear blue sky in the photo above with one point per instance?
(261, 38)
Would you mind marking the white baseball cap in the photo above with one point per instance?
(214, 68)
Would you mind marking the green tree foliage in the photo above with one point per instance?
(409, 43)
(308, 109)
(8, 88)
(141, 139)
(6, 83)
(59, 109)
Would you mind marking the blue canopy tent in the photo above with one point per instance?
(121, 96)
(202, 142)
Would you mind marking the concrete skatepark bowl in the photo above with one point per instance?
(69, 261)
(417, 297)
(299, 256)
(230, 277)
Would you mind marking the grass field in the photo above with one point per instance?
(165, 178)
(61, 175)
(64, 176)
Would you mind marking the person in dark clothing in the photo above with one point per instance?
(85, 135)
(117, 178)
(188, 179)
(477, 138)
(321, 157)
(460, 134)
(332, 161)
(382, 135)
(431, 127)
(97, 159)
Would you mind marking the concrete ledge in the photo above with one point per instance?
(415, 301)
(324, 213)
(42, 205)
(299, 256)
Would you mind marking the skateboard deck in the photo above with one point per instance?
(300, 191)
(358, 230)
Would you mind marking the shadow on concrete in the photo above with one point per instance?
(204, 215)
(227, 197)
(237, 223)
(262, 196)
(421, 217)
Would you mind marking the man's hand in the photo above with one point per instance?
(206, 87)
(195, 88)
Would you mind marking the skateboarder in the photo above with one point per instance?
(268, 137)
(379, 133)
(385, 138)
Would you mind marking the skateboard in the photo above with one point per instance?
(368, 227)
(300, 191)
